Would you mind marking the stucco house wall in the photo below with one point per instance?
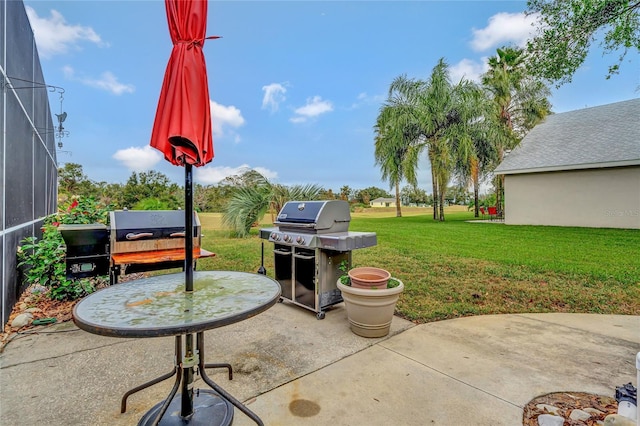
(577, 168)
(601, 198)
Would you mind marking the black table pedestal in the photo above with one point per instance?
(209, 408)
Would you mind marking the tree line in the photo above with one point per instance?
(152, 190)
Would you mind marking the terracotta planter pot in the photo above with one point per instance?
(370, 311)
(368, 277)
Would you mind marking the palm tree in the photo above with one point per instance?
(396, 131)
(519, 103)
(250, 203)
(474, 160)
(441, 120)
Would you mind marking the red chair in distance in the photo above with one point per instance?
(493, 213)
(483, 212)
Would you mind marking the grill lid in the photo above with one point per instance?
(318, 216)
(149, 224)
(140, 219)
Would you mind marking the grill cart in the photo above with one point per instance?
(311, 241)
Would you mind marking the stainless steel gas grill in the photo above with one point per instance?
(311, 241)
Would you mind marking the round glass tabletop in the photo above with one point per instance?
(159, 306)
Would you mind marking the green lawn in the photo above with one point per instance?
(456, 268)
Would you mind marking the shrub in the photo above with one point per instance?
(151, 204)
(44, 260)
(82, 210)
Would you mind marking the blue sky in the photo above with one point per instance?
(295, 86)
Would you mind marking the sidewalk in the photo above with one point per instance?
(292, 369)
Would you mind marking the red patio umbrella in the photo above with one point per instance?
(182, 130)
(182, 127)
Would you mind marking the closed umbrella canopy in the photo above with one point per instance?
(182, 127)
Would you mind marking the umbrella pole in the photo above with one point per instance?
(188, 223)
(186, 409)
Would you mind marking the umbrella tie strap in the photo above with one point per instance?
(197, 42)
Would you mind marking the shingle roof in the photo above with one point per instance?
(602, 136)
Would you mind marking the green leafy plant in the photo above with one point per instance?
(344, 268)
(44, 264)
(43, 261)
(82, 210)
(393, 283)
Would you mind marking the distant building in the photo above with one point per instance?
(578, 168)
(383, 202)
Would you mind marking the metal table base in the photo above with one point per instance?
(160, 306)
(209, 407)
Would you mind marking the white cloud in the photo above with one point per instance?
(138, 159)
(468, 69)
(366, 99)
(269, 174)
(69, 72)
(223, 117)
(107, 81)
(55, 36)
(504, 28)
(314, 107)
(210, 175)
(273, 96)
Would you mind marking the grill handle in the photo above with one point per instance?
(132, 236)
(177, 235)
(304, 256)
(285, 252)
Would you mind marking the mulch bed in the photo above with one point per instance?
(567, 402)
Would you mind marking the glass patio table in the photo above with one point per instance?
(159, 306)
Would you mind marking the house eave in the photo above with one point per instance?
(565, 167)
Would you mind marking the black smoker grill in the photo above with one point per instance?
(87, 249)
(91, 248)
(311, 241)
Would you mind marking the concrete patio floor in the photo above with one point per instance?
(292, 369)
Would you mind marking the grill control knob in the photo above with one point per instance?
(287, 238)
(275, 236)
(300, 240)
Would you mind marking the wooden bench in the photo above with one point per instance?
(153, 260)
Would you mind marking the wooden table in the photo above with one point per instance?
(159, 306)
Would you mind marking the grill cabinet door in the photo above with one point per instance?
(284, 269)
(305, 277)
